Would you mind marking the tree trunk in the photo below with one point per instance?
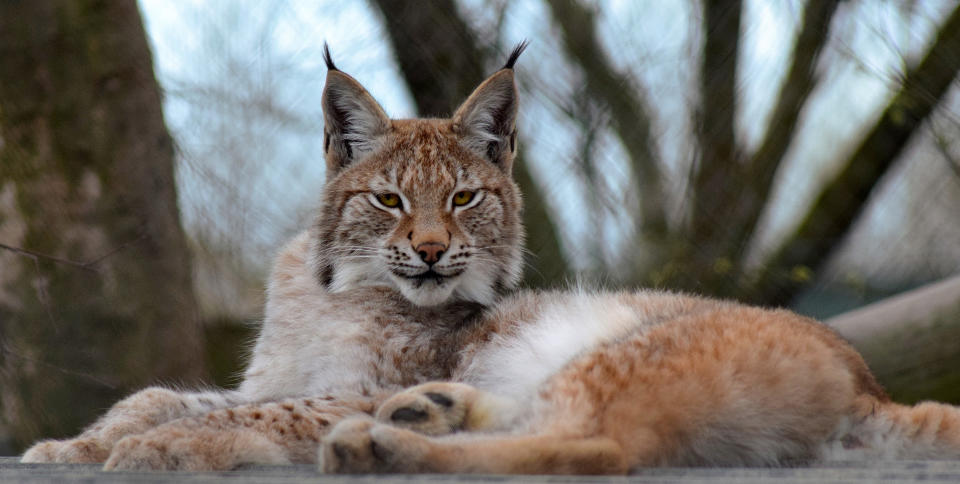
(799, 82)
(95, 289)
(720, 159)
(694, 258)
(442, 63)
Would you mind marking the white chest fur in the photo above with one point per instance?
(515, 365)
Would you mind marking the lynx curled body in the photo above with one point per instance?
(605, 383)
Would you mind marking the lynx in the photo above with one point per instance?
(587, 382)
(393, 342)
(417, 232)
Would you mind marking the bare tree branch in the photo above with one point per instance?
(36, 255)
(799, 82)
(624, 101)
(6, 349)
(844, 199)
(87, 266)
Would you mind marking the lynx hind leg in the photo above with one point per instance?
(365, 446)
(439, 408)
(133, 415)
(928, 430)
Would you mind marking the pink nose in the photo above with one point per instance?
(431, 252)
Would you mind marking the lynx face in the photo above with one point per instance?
(427, 206)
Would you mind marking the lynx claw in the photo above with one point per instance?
(132, 454)
(168, 452)
(74, 451)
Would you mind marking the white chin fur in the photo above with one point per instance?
(474, 285)
(477, 285)
(428, 294)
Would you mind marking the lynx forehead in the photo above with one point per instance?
(425, 206)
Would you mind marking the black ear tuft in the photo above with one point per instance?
(353, 122)
(516, 54)
(328, 59)
(487, 119)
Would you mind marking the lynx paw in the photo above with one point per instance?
(358, 446)
(440, 408)
(74, 451)
(433, 408)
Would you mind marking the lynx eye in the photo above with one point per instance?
(389, 200)
(462, 198)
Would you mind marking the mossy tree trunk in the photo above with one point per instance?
(95, 290)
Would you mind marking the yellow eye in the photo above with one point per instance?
(389, 200)
(462, 198)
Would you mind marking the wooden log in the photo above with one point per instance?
(911, 341)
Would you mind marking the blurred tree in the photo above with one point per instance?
(729, 186)
(95, 290)
(842, 200)
(629, 112)
(438, 54)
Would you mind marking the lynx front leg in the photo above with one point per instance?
(133, 415)
(181, 447)
(282, 432)
(364, 446)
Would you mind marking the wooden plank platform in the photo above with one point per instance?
(831, 472)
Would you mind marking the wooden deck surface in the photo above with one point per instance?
(832, 472)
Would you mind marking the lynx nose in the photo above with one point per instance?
(431, 252)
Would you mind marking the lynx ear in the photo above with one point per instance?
(353, 121)
(487, 120)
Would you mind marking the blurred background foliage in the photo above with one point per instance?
(792, 153)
